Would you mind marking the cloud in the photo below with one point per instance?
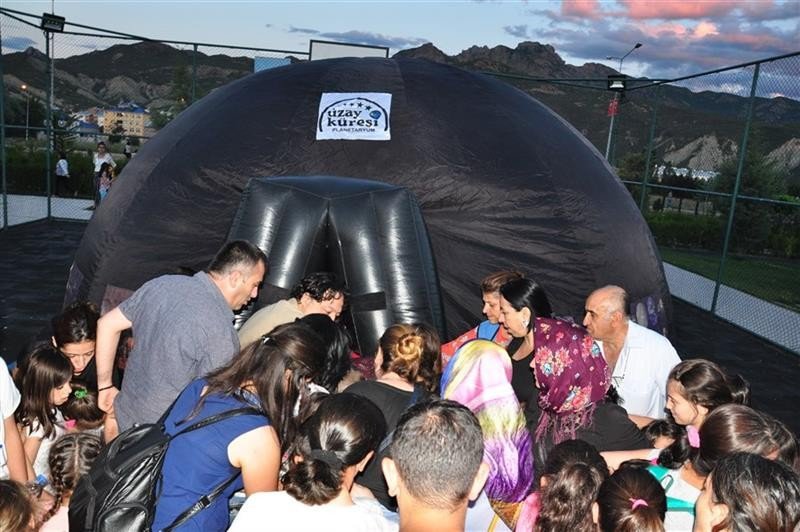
(648, 9)
(363, 37)
(671, 47)
(770, 10)
(585, 9)
(374, 39)
(520, 31)
(309, 31)
(18, 43)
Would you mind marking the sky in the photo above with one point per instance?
(678, 37)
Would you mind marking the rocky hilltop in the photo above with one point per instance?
(697, 130)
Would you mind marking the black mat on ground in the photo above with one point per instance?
(34, 266)
(35, 260)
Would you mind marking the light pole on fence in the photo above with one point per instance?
(614, 107)
(27, 92)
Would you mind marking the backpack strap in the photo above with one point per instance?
(210, 420)
(204, 502)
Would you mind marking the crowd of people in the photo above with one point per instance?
(529, 421)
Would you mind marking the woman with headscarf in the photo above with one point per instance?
(479, 377)
(575, 398)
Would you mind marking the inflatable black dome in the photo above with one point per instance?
(501, 182)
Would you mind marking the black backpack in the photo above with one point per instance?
(119, 491)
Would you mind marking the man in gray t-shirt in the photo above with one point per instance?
(182, 329)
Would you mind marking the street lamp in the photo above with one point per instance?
(615, 105)
(27, 107)
(621, 59)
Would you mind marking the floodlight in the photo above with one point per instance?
(51, 22)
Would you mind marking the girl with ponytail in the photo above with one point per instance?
(630, 500)
(334, 445)
(694, 389)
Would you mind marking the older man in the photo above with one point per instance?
(182, 328)
(640, 359)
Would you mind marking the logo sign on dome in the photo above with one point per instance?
(354, 116)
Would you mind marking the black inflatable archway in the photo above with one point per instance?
(501, 181)
(370, 234)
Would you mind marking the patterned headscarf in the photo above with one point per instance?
(479, 377)
(571, 374)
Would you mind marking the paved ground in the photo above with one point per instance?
(778, 324)
(23, 209)
(36, 257)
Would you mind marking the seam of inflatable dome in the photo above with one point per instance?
(411, 201)
(390, 186)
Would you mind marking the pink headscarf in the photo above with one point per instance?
(571, 374)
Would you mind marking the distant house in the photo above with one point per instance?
(85, 130)
(131, 117)
(91, 115)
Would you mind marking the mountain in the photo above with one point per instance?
(698, 130)
(145, 73)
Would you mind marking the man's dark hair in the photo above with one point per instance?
(321, 286)
(237, 254)
(437, 448)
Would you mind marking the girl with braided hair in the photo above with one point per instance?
(71, 456)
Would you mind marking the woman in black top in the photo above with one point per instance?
(527, 294)
(407, 367)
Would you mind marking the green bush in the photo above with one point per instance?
(26, 169)
(685, 231)
(677, 230)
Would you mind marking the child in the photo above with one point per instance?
(81, 411)
(16, 508)
(570, 480)
(106, 176)
(45, 386)
(336, 442)
(661, 433)
(630, 500)
(70, 458)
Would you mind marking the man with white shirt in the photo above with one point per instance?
(639, 359)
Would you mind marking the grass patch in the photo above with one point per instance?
(774, 280)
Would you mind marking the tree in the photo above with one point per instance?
(752, 222)
(160, 118)
(181, 89)
(116, 134)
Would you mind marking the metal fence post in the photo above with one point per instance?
(194, 72)
(737, 183)
(49, 123)
(4, 192)
(646, 176)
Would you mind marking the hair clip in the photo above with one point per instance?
(265, 339)
(80, 394)
(327, 456)
(635, 503)
(694, 436)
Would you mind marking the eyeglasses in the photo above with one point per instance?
(72, 356)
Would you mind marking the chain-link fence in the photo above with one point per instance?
(713, 160)
(105, 87)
